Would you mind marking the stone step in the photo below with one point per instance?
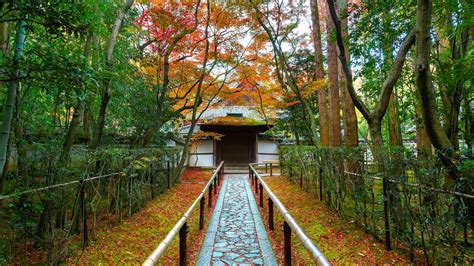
(236, 171)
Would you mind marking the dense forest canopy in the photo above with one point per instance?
(81, 81)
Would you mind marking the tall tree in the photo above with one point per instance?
(426, 93)
(452, 73)
(334, 103)
(424, 83)
(276, 35)
(319, 75)
(374, 118)
(166, 45)
(78, 110)
(105, 98)
(12, 92)
(393, 121)
(351, 138)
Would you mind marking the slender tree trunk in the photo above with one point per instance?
(87, 120)
(437, 135)
(375, 117)
(197, 97)
(281, 64)
(148, 134)
(423, 143)
(319, 74)
(4, 37)
(393, 123)
(334, 103)
(394, 131)
(468, 97)
(11, 93)
(380, 155)
(468, 125)
(78, 112)
(351, 137)
(312, 121)
(5, 46)
(21, 152)
(109, 64)
(71, 132)
(423, 78)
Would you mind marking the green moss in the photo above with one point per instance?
(235, 121)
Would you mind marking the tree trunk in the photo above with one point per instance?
(71, 133)
(423, 143)
(351, 129)
(78, 112)
(145, 138)
(289, 81)
(109, 64)
(393, 123)
(380, 155)
(423, 78)
(22, 168)
(11, 93)
(334, 104)
(451, 93)
(319, 74)
(468, 125)
(437, 135)
(87, 120)
(312, 121)
(197, 97)
(351, 137)
(4, 37)
(394, 131)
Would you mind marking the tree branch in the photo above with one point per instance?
(343, 59)
(393, 76)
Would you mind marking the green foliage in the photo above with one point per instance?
(49, 219)
(426, 219)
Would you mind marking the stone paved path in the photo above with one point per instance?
(236, 234)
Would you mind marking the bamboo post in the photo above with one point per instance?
(183, 232)
(168, 173)
(210, 196)
(215, 185)
(201, 213)
(320, 184)
(270, 214)
(85, 238)
(388, 244)
(287, 243)
(222, 171)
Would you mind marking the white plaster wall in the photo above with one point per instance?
(267, 146)
(202, 160)
(261, 157)
(205, 146)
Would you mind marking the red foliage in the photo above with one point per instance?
(341, 241)
(135, 238)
